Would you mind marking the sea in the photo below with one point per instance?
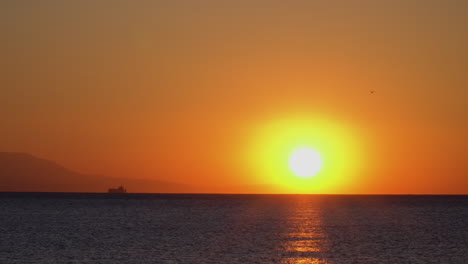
(217, 228)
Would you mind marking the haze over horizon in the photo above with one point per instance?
(219, 93)
(23, 172)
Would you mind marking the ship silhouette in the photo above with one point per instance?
(121, 189)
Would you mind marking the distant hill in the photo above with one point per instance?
(26, 173)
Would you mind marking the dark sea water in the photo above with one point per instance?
(151, 228)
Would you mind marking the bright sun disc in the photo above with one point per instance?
(305, 162)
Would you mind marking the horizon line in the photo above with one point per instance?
(221, 193)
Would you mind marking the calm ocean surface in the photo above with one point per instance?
(151, 228)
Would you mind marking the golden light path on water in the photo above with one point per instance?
(306, 239)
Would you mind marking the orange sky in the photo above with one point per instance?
(176, 90)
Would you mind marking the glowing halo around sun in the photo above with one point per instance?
(305, 162)
(305, 154)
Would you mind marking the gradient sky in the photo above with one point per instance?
(178, 90)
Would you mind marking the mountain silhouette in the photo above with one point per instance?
(22, 172)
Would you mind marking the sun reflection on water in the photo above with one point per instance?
(305, 240)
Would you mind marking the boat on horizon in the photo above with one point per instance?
(120, 189)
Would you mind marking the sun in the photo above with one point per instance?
(299, 153)
(305, 162)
